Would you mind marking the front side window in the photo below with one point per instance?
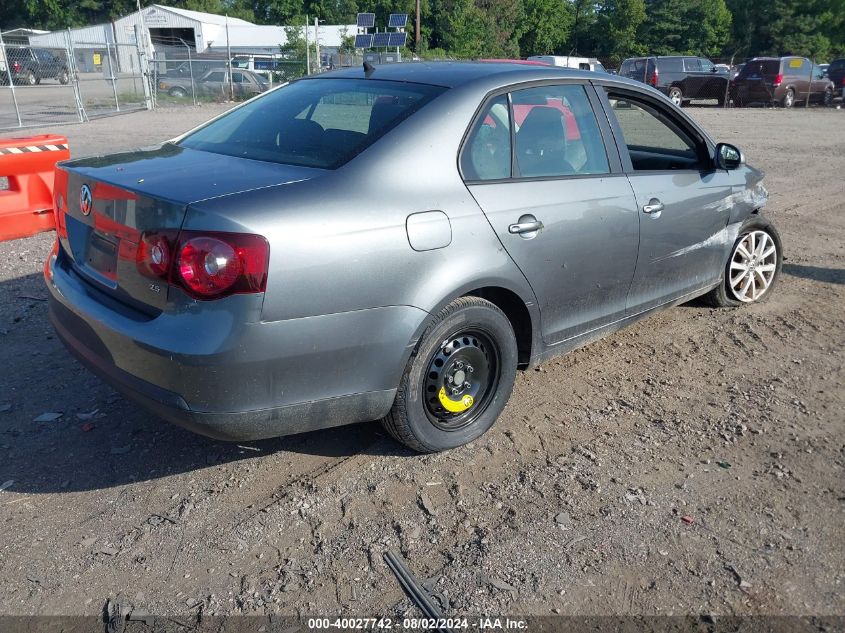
(655, 141)
(217, 76)
(556, 133)
(706, 65)
(320, 123)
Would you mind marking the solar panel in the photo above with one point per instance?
(381, 40)
(364, 40)
(367, 20)
(397, 39)
(397, 20)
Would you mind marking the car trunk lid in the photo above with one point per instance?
(106, 204)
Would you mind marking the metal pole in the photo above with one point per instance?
(307, 50)
(191, 72)
(11, 82)
(317, 44)
(142, 62)
(810, 82)
(111, 73)
(229, 61)
(71, 62)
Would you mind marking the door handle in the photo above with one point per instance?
(654, 206)
(525, 227)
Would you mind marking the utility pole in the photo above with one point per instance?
(229, 61)
(417, 29)
(307, 50)
(317, 44)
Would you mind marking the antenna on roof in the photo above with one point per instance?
(368, 68)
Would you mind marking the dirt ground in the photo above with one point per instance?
(693, 463)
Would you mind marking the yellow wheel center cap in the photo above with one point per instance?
(455, 406)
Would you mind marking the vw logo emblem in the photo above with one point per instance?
(85, 200)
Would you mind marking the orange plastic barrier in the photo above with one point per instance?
(26, 203)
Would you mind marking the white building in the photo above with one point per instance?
(172, 29)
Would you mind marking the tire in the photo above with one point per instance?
(29, 78)
(728, 294)
(471, 341)
(38, 81)
(177, 92)
(788, 98)
(63, 77)
(827, 100)
(676, 96)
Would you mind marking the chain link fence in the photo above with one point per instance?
(44, 86)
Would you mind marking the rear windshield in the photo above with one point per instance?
(760, 68)
(314, 122)
(637, 68)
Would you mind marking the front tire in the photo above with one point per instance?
(63, 77)
(753, 267)
(788, 99)
(459, 379)
(177, 92)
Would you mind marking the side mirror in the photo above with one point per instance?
(729, 156)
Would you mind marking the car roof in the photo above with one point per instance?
(457, 74)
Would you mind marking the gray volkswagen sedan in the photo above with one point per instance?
(394, 243)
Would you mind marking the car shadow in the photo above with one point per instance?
(816, 273)
(102, 440)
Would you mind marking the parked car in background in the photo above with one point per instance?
(216, 83)
(276, 270)
(736, 70)
(781, 80)
(836, 74)
(30, 66)
(681, 78)
(562, 61)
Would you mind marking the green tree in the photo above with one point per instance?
(686, 27)
(548, 26)
(615, 30)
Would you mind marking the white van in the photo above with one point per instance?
(581, 63)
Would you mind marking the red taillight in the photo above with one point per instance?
(778, 80)
(654, 78)
(843, 80)
(206, 265)
(154, 255)
(17, 67)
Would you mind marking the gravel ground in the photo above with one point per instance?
(690, 464)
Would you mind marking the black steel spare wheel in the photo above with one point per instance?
(458, 378)
(461, 377)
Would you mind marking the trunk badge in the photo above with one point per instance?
(85, 200)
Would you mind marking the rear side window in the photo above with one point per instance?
(671, 65)
(320, 123)
(487, 154)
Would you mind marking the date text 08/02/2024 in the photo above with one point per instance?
(480, 623)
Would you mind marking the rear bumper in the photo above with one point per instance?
(239, 382)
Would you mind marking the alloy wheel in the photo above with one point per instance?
(753, 266)
(461, 378)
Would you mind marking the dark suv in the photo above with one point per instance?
(836, 73)
(782, 80)
(30, 65)
(681, 78)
